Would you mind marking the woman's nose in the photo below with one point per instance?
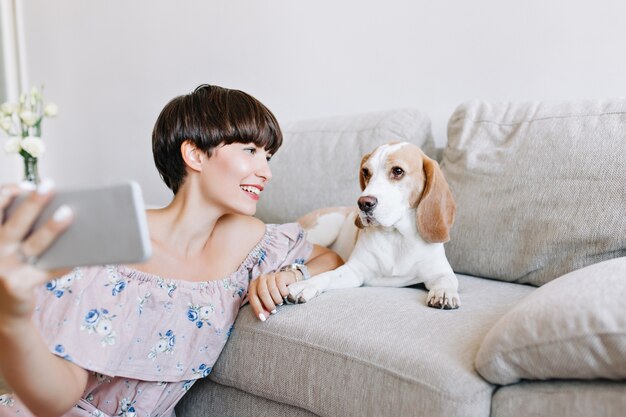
(264, 170)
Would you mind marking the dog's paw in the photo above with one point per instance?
(300, 292)
(444, 299)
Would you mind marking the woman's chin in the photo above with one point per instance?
(250, 210)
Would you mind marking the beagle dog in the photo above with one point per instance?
(395, 237)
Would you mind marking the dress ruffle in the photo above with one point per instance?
(121, 322)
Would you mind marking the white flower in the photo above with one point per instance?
(104, 326)
(51, 110)
(13, 145)
(66, 281)
(35, 94)
(29, 118)
(34, 146)
(6, 124)
(161, 346)
(206, 311)
(8, 108)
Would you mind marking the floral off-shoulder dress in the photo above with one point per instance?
(146, 339)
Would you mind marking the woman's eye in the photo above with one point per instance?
(268, 157)
(252, 151)
(397, 172)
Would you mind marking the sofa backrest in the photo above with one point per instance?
(540, 187)
(318, 164)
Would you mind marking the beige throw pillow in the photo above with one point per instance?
(574, 327)
(540, 187)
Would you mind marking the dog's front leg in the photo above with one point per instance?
(443, 292)
(346, 276)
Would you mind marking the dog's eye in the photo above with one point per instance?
(366, 173)
(397, 172)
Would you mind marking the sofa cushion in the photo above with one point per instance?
(561, 399)
(207, 398)
(539, 187)
(318, 164)
(571, 328)
(369, 352)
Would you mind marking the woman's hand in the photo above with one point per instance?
(25, 357)
(19, 248)
(267, 291)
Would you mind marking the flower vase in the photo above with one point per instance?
(31, 170)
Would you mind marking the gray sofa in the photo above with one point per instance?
(538, 245)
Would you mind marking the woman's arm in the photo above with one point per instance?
(45, 383)
(322, 260)
(267, 291)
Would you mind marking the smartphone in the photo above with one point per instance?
(109, 227)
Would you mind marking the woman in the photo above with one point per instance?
(131, 340)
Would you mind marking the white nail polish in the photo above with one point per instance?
(262, 317)
(27, 186)
(62, 213)
(45, 186)
(273, 311)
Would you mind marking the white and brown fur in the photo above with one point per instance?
(395, 238)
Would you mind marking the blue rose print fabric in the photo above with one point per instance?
(146, 339)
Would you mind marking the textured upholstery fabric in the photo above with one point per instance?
(571, 328)
(369, 352)
(225, 401)
(539, 187)
(561, 399)
(318, 164)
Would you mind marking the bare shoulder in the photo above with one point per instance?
(240, 230)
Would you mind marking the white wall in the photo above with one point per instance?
(112, 64)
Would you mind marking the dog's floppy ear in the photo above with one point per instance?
(357, 221)
(436, 207)
(361, 177)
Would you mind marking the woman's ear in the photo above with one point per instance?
(192, 156)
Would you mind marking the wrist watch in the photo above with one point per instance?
(297, 267)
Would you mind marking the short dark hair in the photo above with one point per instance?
(209, 117)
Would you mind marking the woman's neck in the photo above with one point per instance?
(185, 226)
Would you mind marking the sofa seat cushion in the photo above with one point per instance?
(370, 352)
(571, 328)
(207, 399)
(539, 187)
(561, 399)
(318, 164)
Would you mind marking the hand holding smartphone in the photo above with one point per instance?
(109, 227)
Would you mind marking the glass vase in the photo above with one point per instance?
(31, 170)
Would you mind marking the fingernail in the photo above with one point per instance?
(273, 311)
(62, 213)
(27, 186)
(45, 186)
(280, 304)
(262, 317)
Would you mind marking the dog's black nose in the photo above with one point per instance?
(367, 203)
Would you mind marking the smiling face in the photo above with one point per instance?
(235, 175)
(392, 178)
